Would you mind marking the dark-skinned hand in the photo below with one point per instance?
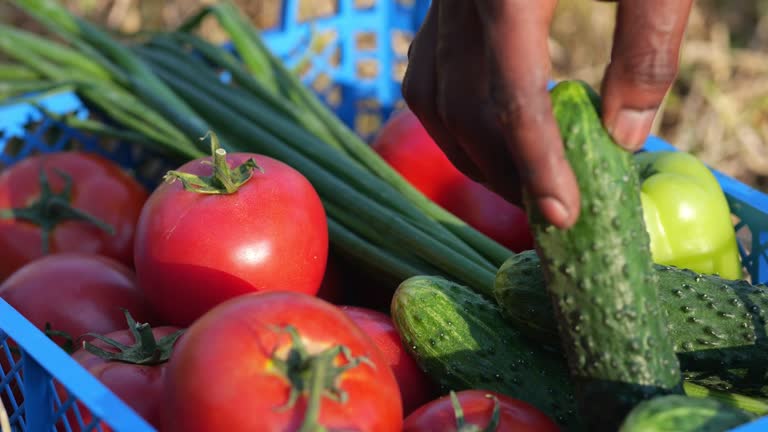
(477, 79)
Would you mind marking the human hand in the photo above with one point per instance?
(477, 79)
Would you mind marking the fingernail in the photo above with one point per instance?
(554, 211)
(631, 127)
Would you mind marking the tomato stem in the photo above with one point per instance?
(314, 375)
(51, 209)
(462, 426)
(69, 342)
(316, 386)
(223, 181)
(146, 351)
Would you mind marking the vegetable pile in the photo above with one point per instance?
(286, 275)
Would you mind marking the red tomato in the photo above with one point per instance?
(416, 388)
(405, 144)
(490, 214)
(407, 147)
(229, 371)
(76, 293)
(139, 386)
(100, 188)
(194, 250)
(515, 415)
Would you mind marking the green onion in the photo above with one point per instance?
(17, 72)
(253, 59)
(63, 56)
(354, 145)
(24, 90)
(254, 113)
(380, 218)
(164, 90)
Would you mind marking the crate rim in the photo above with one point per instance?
(81, 384)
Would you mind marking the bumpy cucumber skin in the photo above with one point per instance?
(598, 274)
(733, 364)
(675, 413)
(462, 341)
(715, 324)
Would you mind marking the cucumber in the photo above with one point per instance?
(715, 324)
(598, 274)
(675, 413)
(474, 348)
(460, 339)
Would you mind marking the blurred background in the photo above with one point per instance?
(718, 108)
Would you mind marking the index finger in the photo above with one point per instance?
(517, 34)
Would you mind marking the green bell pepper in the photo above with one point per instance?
(687, 215)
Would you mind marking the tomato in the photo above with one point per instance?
(100, 189)
(75, 293)
(407, 147)
(195, 250)
(237, 367)
(490, 214)
(687, 215)
(416, 388)
(137, 384)
(514, 415)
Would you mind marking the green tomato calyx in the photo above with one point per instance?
(52, 208)
(223, 181)
(314, 375)
(145, 351)
(462, 426)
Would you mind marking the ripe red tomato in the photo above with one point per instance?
(491, 214)
(416, 388)
(76, 293)
(99, 188)
(233, 370)
(140, 386)
(515, 415)
(407, 147)
(195, 250)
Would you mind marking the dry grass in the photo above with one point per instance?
(4, 425)
(718, 108)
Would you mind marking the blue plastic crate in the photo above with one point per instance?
(359, 71)
(358, 75)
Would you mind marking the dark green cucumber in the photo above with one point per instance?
(474, 349)
(715, 324)
(676, 413)
(598, 274)
(461, 340)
